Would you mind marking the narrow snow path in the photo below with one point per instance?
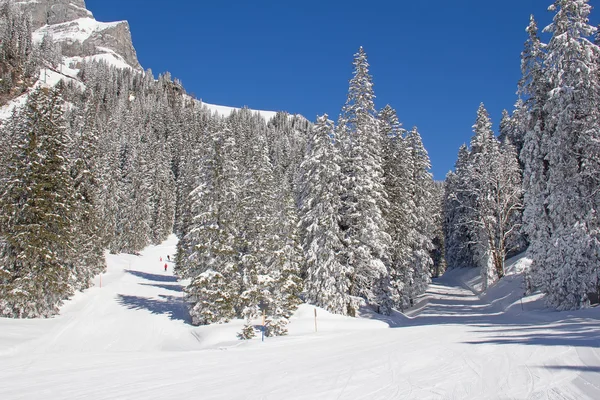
(130, 339)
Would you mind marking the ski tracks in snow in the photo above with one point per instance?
(130, 340)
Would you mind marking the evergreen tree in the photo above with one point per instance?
(213, 260)
(364, 227)
(88, 238)
(458, 208)
(399, 212)
(38, 204)
(534, 87)
(570, 142)
(327, 281)
(421, 232)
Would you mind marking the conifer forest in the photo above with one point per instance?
(340, 212)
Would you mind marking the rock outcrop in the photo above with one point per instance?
(52, 12)
(80, 35)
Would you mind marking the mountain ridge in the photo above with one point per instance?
(83, 38)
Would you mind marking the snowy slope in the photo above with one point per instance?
(129, 339)
(225, 111)
(47, 78)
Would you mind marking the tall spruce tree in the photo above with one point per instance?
(568, 269)
(423, 226)
(398, 180)
(364, 196)
(327, 281)
(534, 88)
(38, 218)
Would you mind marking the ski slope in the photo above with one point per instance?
(130, 339)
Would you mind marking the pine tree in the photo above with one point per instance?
(327, 281)
(163, 194)
(286, 264)
(213, 261)
(364, 227)
(88, 237)
(458, 209)
(535, 88)
(38, 204)
(570, 143)
(421, 232)
(488, 195)
(399, 212)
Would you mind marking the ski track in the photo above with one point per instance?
(131, 339)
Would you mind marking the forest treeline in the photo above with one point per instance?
(270, 214)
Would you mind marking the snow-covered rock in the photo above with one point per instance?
(69, 23)
(50, 12)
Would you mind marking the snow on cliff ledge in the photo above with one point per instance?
(78, 30)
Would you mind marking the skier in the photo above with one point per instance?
(160, 258)
(165, 267)
(168, 257)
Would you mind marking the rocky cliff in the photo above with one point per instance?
(80, 35)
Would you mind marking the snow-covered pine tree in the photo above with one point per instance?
(50, 52)
(496, 192)
(84, 162)
(213, 262)
(38, 204)
(457, 211)
(534, 88)
(109, 172)
(571, 142)
(438, 241)
(421, 232)
(162, 192)
(327, 281)
(134, 188)
(514, 126)
(286, 264)
(257, 209)
(364, 195)
(399, 213)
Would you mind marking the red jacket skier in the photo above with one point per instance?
(165, 266)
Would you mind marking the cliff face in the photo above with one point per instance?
(51, 12)
(80, 35)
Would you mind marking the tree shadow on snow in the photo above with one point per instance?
(173, 288)
(578, 368)
(152, 277)
(172, 306)
(546, 328)
(579, 332)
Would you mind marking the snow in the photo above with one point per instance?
(109, 57)
(130, 339)
(47, 78)
(78, 30)
(225, 111)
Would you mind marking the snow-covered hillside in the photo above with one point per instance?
(130, 339)
(225, 111)
(83, 38)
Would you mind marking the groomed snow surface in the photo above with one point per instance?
(131, 339)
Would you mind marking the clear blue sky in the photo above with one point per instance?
(434, 61)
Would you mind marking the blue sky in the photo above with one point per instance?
(433, 61)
